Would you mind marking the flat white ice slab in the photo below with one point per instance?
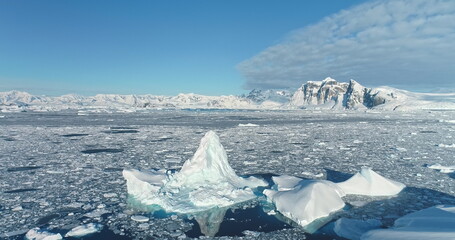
(84, 230)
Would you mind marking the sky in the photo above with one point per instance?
(222, 47)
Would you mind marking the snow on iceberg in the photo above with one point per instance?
(306, 200)
(436, 222)
(367, 182)
(205, 181)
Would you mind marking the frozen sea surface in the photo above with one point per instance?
(61, 170)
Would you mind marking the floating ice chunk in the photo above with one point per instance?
(205, 181)
(307, 201)
(447, 121)
(354, 228)
(446, 145)
(436, 222)
(84, 230)
(139, 218)
(443, 169)
(368, 182)
(38, 234)
(248, 125)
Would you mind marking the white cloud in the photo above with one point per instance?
(395, 42)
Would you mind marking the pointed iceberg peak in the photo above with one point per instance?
(209, 157)
(205, 181)
(368, 182)
(210, 165)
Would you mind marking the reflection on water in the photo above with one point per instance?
(210, 221)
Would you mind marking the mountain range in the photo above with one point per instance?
(313, 95)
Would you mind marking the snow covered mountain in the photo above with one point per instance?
(325, 94)
(329, 93)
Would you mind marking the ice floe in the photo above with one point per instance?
(436, 222)
(443, 169)
(446, 145)
(38, 234)
(83, 230)
(139, 218)
(248, 125)
(205, 181)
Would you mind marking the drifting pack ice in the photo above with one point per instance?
(204, 182)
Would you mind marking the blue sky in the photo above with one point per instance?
(206, 47)
(157, 47)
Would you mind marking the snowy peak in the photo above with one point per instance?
(331, 94)
(325, 94)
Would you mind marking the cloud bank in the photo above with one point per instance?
(395, 42)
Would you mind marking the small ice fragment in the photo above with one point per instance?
(400, 149)
(84, 230)
(248, 125)
(443, 169)
(139, 218)
(18, 208)
(446, 145)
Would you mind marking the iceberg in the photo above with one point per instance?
(436, 222)
(306, 200)
(368, 182)
(204, 182)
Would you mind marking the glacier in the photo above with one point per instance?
(205, 181)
